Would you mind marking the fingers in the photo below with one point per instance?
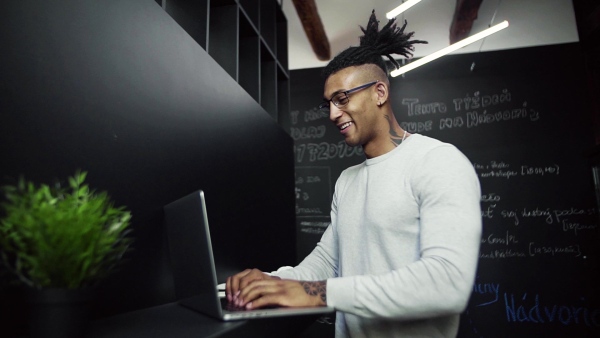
(241, 280)
(252, 289)
(276, 292)
(232, 286)
(268, 300)
(260, 293)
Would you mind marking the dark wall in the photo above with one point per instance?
(118, 89)
(523, 120)
(588, 28)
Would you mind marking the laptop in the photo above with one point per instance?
(193, 264)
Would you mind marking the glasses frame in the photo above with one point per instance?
(327, 104)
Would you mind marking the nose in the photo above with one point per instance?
(334, 112)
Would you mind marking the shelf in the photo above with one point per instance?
(283, 98)
(248, 38)
(251, 10)
(222, 42)
(267, 22)
(268, 82)
(191, 16)
(282, 39)
(248, 59)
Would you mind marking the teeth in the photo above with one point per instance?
(345, 125)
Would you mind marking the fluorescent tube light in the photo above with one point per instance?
(458, 45)
(396, 11)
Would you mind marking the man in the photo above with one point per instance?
(400, 255)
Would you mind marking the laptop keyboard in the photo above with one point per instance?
(227, 306)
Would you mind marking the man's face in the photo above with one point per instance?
(356, 120)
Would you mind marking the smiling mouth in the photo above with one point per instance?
(345, 125)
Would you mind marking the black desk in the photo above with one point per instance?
(175, 321)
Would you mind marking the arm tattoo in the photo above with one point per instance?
(394, 137)
(316, 289)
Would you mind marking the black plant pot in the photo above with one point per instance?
(58, 313)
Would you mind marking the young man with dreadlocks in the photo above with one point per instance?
(400, 255)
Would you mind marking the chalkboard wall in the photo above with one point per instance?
(522, 119)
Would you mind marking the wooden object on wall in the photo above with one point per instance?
(313, 27)
(462, 22)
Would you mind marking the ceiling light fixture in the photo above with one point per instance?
(458, 45)
(396, 11)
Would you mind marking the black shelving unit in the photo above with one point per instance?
(248, 38)
(186, 13)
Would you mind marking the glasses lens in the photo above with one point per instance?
(340, 100)
(324, 106)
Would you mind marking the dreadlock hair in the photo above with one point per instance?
(375, 44)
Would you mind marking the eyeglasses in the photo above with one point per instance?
(341, 99)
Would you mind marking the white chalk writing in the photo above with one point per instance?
(502, 254)
(487, 289)
(488, 212)
(550, 216)
(474, 118)
(504, 239)
(553, 250)
(477, 101)
(415, 108)
(325, 151)
(309, 115)
(490, 197)
(417, 127)
(500, 169)
(307, 132)
(576, 226)
(308, 211)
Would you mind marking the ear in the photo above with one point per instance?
(381, 89)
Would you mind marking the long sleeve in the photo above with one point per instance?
(446, 191)
(401, 252)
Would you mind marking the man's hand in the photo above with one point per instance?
(290, 293)
(236, 283)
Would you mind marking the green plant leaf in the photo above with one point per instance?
(62, 237)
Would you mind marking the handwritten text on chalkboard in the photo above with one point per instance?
(473, 111)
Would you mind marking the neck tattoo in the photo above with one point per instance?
(403, 137)
(396, 140)
(394, 137)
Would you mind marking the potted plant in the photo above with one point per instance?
(60, 242)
